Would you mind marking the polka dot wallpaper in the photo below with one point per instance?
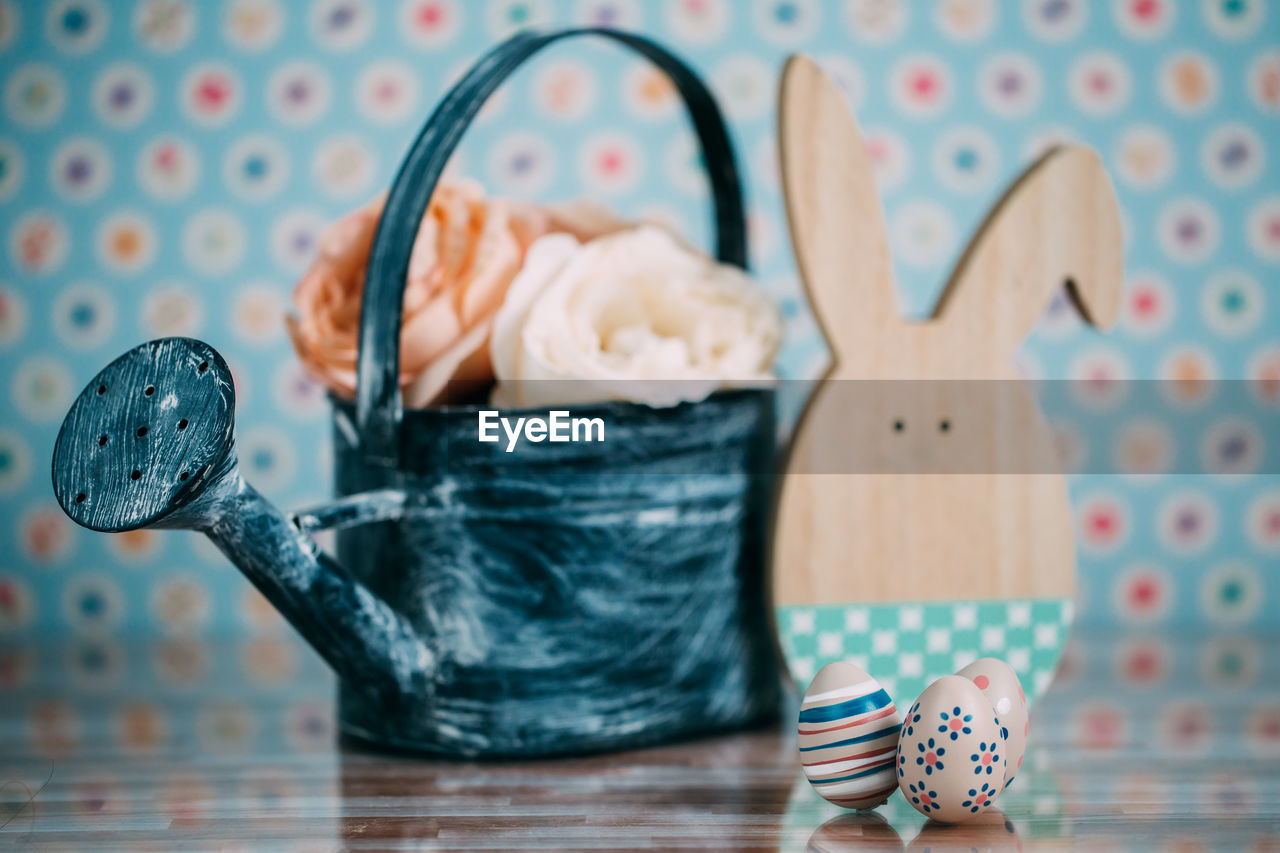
(166, 166)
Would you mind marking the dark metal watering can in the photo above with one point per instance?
(577, 600)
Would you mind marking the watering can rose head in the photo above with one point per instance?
(467, 252)
(633, 315)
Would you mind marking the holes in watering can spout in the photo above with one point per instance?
(142, 430)
(148, 391)
(102, 441)
(204, 365)
(135, 475)
(80, 496)
(102, 389)
(182, 424)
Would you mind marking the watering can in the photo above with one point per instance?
(579, 600)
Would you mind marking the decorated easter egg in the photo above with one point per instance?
(997, 679)
(951, 760)
(849, 737)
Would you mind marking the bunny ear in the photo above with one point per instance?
(1058, 224)
(837, 228)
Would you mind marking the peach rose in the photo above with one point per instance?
(467, 252)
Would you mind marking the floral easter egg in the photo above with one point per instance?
(951, 760)
(997, 679)
(849, 737)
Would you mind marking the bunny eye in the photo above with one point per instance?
(944, 425)
(899, 426)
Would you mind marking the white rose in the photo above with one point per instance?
(622, 316)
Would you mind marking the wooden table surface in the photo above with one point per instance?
(1142, 743)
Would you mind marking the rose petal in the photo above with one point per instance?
(344, 248)
(333, 376)
(428, 333)
(458, 370)
(496, 262)
(585, 219)
(545, 258)
(461, 215)
(528, 223)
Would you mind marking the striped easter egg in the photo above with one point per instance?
(849, 737)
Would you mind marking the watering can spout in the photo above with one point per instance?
(150, 443)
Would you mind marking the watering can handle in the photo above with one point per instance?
(379, 405)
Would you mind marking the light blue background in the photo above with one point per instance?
(175, 583)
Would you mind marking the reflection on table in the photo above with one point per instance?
(1142, 740)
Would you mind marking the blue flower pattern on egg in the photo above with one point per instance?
(1004, 737)
(930, 757)
(979, 798)
(926, 800)
(985, 759)
(913, 717)
(954, 723)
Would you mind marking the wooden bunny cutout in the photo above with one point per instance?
(988, 519)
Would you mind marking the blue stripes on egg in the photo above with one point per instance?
(848, 737)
